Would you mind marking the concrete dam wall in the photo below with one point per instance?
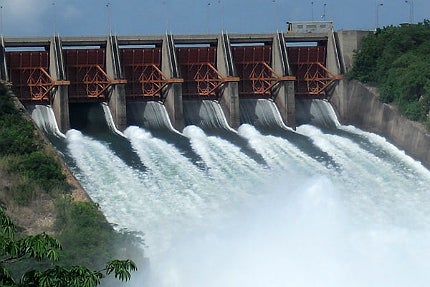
(172, 69)
(358, 105)
(225, 68)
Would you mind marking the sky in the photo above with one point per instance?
(20, 18)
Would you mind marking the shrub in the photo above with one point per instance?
(6, 104)
(413, 110)
(23, 193)
(42, 169)
(16, 139)
(86, 234)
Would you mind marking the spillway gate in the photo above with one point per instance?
(198, 66)
(171, 69)
(86, 71)
(312, 76)
(143, 73)
(253, 65)
(29, 73)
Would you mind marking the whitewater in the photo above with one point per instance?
(329, 205)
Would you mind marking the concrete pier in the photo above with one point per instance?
(60, 92)
(283, 92)
(173, 92)
(116, 92)
(229, 95)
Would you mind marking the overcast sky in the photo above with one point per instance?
(154, 17)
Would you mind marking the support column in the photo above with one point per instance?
(60, 93)
(333, 59)
(3, 66)
(283, 92)
(173, 91)
(347, 43)
(229, 98)
(116, 97)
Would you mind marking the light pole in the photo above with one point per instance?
(208, 16)
(377, 14)
(1, 20)
(411, 10)
(109, 20)
(54, 18)
(312, 10)
(323, 15)
(275, 15)
(222, 14)
(166, 13)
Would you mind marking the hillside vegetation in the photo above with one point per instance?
(396, 59)
(35, 192)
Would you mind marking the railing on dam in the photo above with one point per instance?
(170, 69)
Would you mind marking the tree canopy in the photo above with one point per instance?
(397, 60)
(43, 247)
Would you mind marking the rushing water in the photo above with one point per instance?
(326, 205)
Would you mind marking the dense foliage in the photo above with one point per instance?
(88, 239)
(16, 134)
(42, 247)
(397, 60)
(25, 154)
(34, 173)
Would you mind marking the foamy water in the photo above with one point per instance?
(293, 221)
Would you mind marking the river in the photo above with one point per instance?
(324, 205)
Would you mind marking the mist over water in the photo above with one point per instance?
(355, 213)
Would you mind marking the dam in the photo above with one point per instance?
(171, 69)
(283, 197)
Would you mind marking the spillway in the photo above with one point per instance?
(339, 207)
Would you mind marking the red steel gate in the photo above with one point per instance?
(142, 70)
(29, 75)
(198, 69)
(308, 64)
(86, 70)
(253, 65)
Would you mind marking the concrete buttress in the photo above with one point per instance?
(3, 67)
(173, 91)
(60, 93)
(283, 92)
(229, 98)
(116, 92)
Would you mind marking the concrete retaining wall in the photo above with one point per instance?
(358, 105)
(348, 41)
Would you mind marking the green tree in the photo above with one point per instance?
(43, 247)
(396, 59)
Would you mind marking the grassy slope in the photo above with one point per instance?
(41, 196)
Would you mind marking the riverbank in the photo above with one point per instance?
(40, 194)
